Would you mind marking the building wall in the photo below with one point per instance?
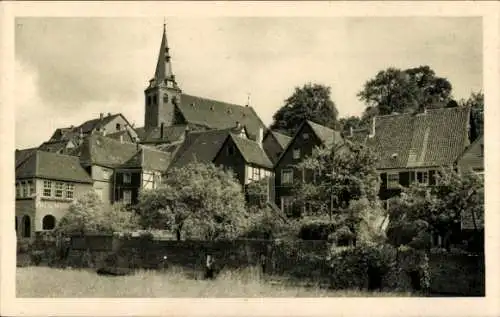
(103, 182)
(134, 185)
(306, 146)
(234, 161)
(38, 206)
(111, 127)
(406, 177)
(163, 110)
(473, 158)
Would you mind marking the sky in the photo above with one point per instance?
(68, 70)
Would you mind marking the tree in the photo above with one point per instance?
(89, 215)
(338, 174)
(196, 201)
(345, 124)
(396, 90)
(476, 103)
(422, 210)
(311, 102)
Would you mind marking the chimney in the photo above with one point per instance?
(238, 126)
(101, 115)
(109, 114)
(260, 137)
(186, 132)
(103, 131)
(162, 125)
(350, 131)
(372, 132)
(121, 138)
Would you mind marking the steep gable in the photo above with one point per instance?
(252, 152)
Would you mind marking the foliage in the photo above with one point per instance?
(316, 228)
(310, 102)
(257, 192)
(88, 215)
(422, 210)
(345, 124)
(476, 103)
(396, 90)
(267, 224)
(196, 201)
(341, 173)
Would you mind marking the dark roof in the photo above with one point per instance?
(149, 159)
(170, 134)
(104, 151)
(62, 134)
(282, 139)
(94, 124)
(219, 115)
(22, 155)
(54, 146)
(52, 166)
(326, 135)
(434, 138)
(251, 151)
(200, 146)
(141, 132)
(479, 139)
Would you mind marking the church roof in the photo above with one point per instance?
(216, 114)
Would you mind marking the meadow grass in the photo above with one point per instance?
(176, 282)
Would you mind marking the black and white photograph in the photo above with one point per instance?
(255, 156)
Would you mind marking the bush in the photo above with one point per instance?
(266, 224)
(316, 228)
(357, 267)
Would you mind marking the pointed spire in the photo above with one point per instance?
(163, 72)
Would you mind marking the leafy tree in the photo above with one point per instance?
(396, 90)
(311, 102)
(336, 175)
(345, 124)
(89, 215)
(476, 103)
(422, 210)
(257, 192)
(196, 201)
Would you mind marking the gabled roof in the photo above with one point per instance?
(251, 151)
(479, 139)
(54, 146)
(22, 155)
(282, 139)
(99, 150)
(216, 114)
(170, 134)
(434, 138)
(326, 135)
(91, 125)
(52, 166)
(149, 159)
(200, 146)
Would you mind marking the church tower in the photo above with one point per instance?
(163, 92)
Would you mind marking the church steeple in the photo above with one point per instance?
(163, 73)
(162, 94)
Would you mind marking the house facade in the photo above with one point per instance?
(309, 136)
(472, 159)
(46, 184)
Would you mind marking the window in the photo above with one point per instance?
(165, 98)
(256, 174)
(16, 222)
(392, 180)
(24, 189)
(422, 177)
(296, 154)
(482, 150)
(127, 178)
(59, 189)
(118, 127)
(26, 226)
(287, 176)
(31, 188)
(47, 188)
(18, 190)
(305, 136)
(230, 150)
(148, 100)
(105, 174)
(48, 222)
(155, 101)
(127, 197)
(70, 188)
(287, 205)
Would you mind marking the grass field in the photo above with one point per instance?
(49, 282)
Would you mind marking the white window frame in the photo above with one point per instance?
(127, 178)
(289, 178)
(18, 189)
(59, 190)
(305, 136)
(31, 188)
(296, 154)
(287, 202)
(256, 174)
(393, 180)
(69, 191)
(47, 186)
(127, 197)
(425, 177)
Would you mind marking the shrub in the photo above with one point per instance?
(265, 223)
(318, 228)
